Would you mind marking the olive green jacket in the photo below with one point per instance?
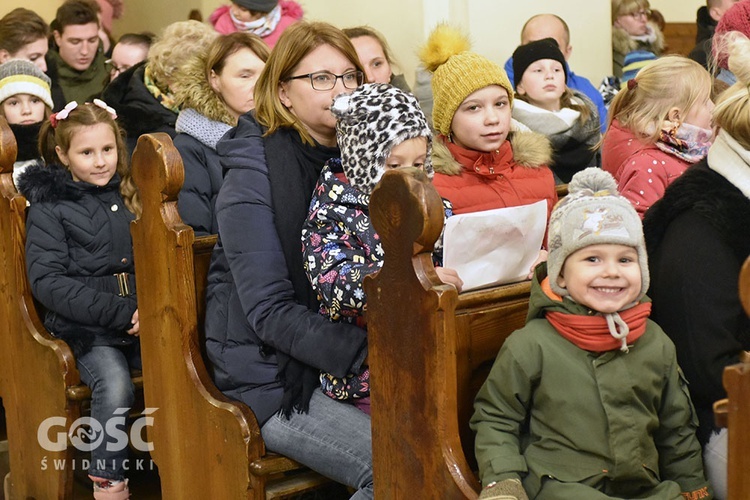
(620, 423)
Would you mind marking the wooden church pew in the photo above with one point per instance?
(430, 349)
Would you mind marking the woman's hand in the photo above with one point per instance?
(450, 276)
(135, 331)
(541, 258)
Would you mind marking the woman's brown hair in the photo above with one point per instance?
(295, 43)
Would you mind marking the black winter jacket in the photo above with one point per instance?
(77, 238)
(698, 236)
(258, 329)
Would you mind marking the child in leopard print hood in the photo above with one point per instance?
(379, 127)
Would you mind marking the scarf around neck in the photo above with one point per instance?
(165, 98)
(261, 27)
(688, 142)
(603, 332)
(293, 170)
(206, 131)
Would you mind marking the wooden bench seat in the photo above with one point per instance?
(38, 371)
(430, 349)
(205, 445)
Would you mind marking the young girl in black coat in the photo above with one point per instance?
(79, 260)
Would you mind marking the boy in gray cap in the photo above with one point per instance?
(587, 400)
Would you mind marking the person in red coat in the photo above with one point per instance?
(660, 124)
(481, 161)
(265, 18)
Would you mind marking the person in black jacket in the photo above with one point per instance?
(79, 260)
(265, 340)
(144, 95)
(706, 19)
(697, 237)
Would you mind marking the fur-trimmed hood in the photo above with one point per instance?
(530, 149)
(623, 43)
(192, 90)
(49, 184)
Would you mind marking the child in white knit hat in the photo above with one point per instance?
(25, 102)
(587, 400)
(378, 127)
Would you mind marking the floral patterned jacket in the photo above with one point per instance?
(341, 247)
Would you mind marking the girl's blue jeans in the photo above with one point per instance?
(106, 371)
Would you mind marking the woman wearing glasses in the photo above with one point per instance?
(633, 34)
(265, 340)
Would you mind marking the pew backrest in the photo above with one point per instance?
(205, 445)
(430, 349)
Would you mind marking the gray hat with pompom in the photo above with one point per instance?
(593, 213)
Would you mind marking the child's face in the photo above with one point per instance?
(700, 114)
(23, 109)
(244, 15)
(543, 83)
(605, 278)
(372, 57)
(410, 153)
(92, 155)
(482, 120)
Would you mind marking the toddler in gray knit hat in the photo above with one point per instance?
(587, 400)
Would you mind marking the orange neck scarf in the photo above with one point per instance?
(599, 333)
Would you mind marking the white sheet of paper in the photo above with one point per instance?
(494, 247)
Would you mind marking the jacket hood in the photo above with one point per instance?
(530, 150)
(42, 184)
(540, 302)
(137, 109)
(624, 43)
(192, 90)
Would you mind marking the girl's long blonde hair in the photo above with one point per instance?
(666, 83)
(86, 115)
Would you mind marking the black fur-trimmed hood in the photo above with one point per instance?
(710, 195)
(43, 184)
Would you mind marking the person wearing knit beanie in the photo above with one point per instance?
(482, 159)
(594, 213)
(378, 127)
(587, 351)
(25, 102)
(19, 76)
(456, 73)
(525, 55)
(735, 19)
(546, 105)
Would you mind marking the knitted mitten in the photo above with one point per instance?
(510, 489)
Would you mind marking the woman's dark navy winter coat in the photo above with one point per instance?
(77, 238)
(258, 329)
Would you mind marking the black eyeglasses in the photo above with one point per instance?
(325, 80)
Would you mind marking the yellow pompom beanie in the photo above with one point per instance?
(456, 73)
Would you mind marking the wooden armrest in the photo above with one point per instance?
(721, 413)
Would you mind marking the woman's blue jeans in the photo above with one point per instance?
(333, 439)
(106, 371)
